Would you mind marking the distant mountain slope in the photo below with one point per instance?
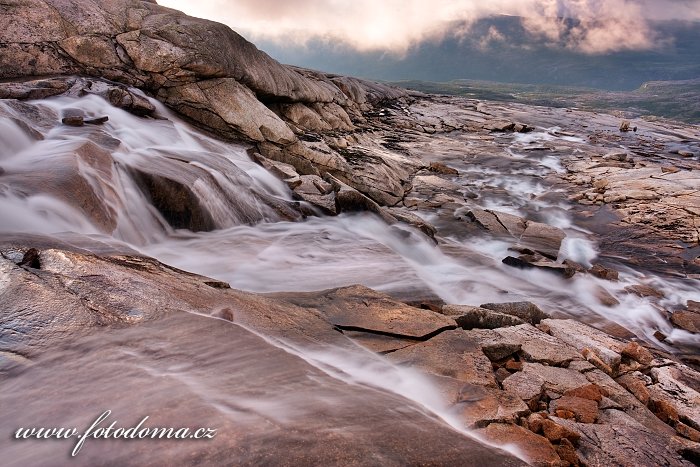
(678, 100)
(520, 58)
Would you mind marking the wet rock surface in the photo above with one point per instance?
(586, 355)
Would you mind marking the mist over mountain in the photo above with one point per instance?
(501, 49)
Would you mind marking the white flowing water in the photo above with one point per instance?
(254, 249)
(255, 246)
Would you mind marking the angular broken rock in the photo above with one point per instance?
(543, 238)
(75, 120)
(636, 383)
(470, 317)
(622, 441)
(498, 223)
(537, 450)
(526, 262)
(627, 402)
(532, 382)
(532, 345)
(643, 291)
(348, 199)
(585, 338)
(480, 406)
(406, 216)
(556, 432)
(440, 168)
(97, 120)
(537, 346)
(602, 272)
(312, 190)
(589, 391)
(688, 320)
(527, 311)
(674, 386)
(583, 410)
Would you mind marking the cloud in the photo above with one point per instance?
(589, 26)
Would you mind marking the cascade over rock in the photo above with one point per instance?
(206, 72)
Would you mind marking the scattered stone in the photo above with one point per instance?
(609, 404)
(469, 317)
(644, 291)
(589, 391)
(526, 262)
(311, 188)
(522, 128)
(499, 126)
(480, 406)
(536, 449)
(555, 432)
(348, 199)
(543, 238)
(532, 382)
(660, 336)
(75, 120)
(488, 221)
(602, 272)
(567, 452)
(130, 101)
(601, 184)
(574, 265)
(534, 422)
(685, 153)
(669, 169)
(583, 410)
(440, 168)
(638, 353)
(688, 320)
(97, 121)
(501, 374)
(532, 344)
(581, 366)
(636, 383)
(625, 126)
(592, 357)
(526, 311)
(513, 365)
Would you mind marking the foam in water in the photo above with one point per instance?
(253, 249)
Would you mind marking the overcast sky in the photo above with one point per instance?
(396, 25)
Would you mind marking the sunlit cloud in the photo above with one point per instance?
(588, 26)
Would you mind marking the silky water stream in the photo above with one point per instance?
(273, 394)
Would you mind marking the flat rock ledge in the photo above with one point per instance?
(562, 392)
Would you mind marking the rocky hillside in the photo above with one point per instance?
(539, 266)
(209, 74)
